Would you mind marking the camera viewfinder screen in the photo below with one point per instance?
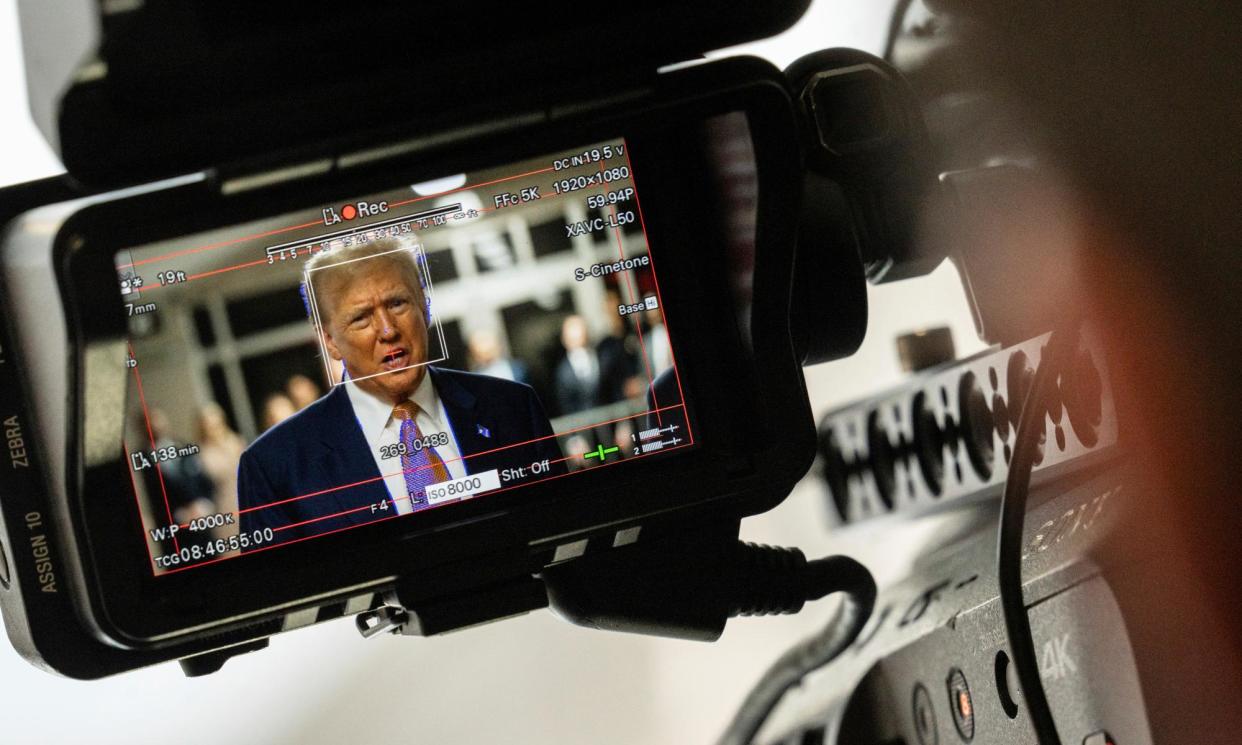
(399, 352)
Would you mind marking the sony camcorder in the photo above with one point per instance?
(402, 327)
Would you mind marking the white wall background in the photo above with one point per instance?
(530, 680)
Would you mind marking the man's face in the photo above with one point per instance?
(378, 329)
(574, 333)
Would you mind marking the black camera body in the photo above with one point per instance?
(82, 546)
(225, 182)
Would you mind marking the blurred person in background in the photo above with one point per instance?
(180, 479)
(577, 382)
(578, 374)
(619, 356)
(302, 391)
(487, 358)
(276, 408)
(220, 449)
(655, 339)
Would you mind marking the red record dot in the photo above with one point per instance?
(349, 212)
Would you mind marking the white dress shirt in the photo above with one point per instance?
(584, 363)
(381, 428)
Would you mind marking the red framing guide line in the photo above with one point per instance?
(247, 264)
(146, 416)
(390, 517)
(621, 255)
(629, 285)
(408, 498)
(655, 277)
(638, 323)
(138, 503)
(277, 231)
(451, 460)
(223, 244)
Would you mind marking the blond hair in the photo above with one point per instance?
(328, 272)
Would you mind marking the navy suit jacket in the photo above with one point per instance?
(314, 472)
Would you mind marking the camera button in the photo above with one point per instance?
(924, 717)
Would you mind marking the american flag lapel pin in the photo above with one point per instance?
(484, 431)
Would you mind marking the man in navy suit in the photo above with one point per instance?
(370, 448)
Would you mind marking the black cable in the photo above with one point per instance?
(819, 578)
(1012, 523)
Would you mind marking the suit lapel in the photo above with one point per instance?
(472, 434)
(347, 459)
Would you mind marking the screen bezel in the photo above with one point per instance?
(726, 476)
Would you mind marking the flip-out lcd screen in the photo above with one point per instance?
(375, 358)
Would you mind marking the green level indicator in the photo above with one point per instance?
(600, 452)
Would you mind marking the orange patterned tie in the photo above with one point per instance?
(420, 463)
